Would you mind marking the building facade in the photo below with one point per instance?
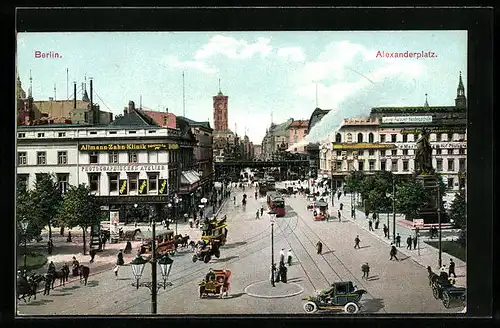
(220, 112)
(275, 139)
(297, 131)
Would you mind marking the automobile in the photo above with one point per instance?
(342, 296)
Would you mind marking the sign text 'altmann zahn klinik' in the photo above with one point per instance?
(119, 168)
(407, 119)
(131, 146)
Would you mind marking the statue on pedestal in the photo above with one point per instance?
(423, 155)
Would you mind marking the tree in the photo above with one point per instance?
(25, 211)
(80, 208)
(354, 182)
(374, 189)
(458, 210)
(47, 197)
(410, 197)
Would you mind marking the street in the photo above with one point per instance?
(393, 287)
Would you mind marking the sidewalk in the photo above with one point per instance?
(425, 256)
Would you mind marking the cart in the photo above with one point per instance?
(218, 287)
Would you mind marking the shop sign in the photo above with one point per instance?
(443, 145)
(130, 146)
(143, 186)
(132, 199)
(163, 187)
(123, 187)
(434, 130)
(363, 146)
(122, 167)
(407, 119)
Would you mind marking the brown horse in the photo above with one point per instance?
(62, 275)
(433, 277)
(84, 273)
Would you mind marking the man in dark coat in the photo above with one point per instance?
(283, 271)
(356, 242)
(393, 252)
(319, 247)
(408, 243)
(451, 269)
(365, 268)
(398, 240)
(386, 230)
(339, 215)
(415, 240)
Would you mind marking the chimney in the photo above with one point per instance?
(74, 90)
(51, 98)
(131, 106)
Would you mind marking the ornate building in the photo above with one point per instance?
(220, 112)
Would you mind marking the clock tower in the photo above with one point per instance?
(220, 111)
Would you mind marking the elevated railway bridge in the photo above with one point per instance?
(286, 168)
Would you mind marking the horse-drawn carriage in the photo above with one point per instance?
(165, 244)
(216, 229)
(27, 285)
(445, 290)
(320, 212)
(218, 286)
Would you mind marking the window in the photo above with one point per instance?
(94, 181)
(21, 135)
(165, 120)
(405, 166)
(438, 151)
(22, 180)
(382, 165)
(152, 181)
(361, 165)
(21, 158)
(371, 165)
(133, 181)
(360, 137)
(349, 137)
(405, 138)
(451, 164)
(439, 137)
(112, 132)
(370, 137)
(295, 149)
(371, 152)
(132, 157)
(339, 165)
(382, 138)
(339, 153)
(62, 157)
(439, 164)
(338, 138)
(394, 152)
(461, 151)
(444, 151)
(387, 153)
(62, 181)
(93, 157)
(41, 135)
(450, 136)
(152, 131)
(41, 158)
(394, 165)
(461, 164)
(132, 132)
(93, 132)
(405, 152)
(415, 137)
(450, 182)
(153, 157)
(61, 134)
(113, 181)
(113, 157)
(393, 137)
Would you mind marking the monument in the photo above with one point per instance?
(427, 176)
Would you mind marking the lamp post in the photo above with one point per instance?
(438, 202)
(393, 210)
(138, 265)
(272, 215)
(203, 204)
(177, 200)
(24, 227)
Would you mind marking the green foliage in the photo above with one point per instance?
(410, 197)
(25, 210)
(47, 199)
(80, 208)
(462, 237)
(354, 181)
(458, 210)
(374, 190)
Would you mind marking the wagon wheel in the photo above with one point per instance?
(310, 307)
(217, 253)
(207, 258)
(446, 299)
(195, 258)
(435, 292)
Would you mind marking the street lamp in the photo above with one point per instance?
(272, 216)
(138, 265)
(24, 227)
(203, 204)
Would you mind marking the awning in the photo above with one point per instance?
(189, 177)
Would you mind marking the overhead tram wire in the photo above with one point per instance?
(101, 100)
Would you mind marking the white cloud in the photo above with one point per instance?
(293, 53)
(172, 61)
(233, 48)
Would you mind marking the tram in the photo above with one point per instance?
(276, 203)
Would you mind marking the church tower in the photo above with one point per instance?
(220, 111)
(460, 100)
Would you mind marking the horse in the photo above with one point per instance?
(192, 244)
(62, 275)
(433, 277)
(84, 273)
(28, 286)
(130, 235)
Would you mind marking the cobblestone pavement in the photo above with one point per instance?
(394, 287)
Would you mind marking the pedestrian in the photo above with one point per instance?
(415, 240)
(273, 272)
(92, 255)
(408, 243)
(338, 195)
(367, 214)
(48, 281)
(398, 240)
(365, 268)
(68, 240)
(262, 210)
(282, 272)
(282, 256)
(257, 214)
(339, 216)
(319, 247)
(289, 257)
(356, 242)
(370, 225)
(386, 230)
(375, 218)
(341, 206)
(234, 200)
(50, 246)
(393, 252)
(103, 241)
(119, 262)
(451, 269)
(353, 212)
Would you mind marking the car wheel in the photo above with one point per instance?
(207, 258)
(195, 258)
(351, 308)
(446, 300)
(310, 307)
(435, 292)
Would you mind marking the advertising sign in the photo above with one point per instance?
(363, 146)
(114, 219)
(122, 167)
(129, 146)
(163, 187)
(418, 223)
(143, 186)
(407, 119)
(123, 187)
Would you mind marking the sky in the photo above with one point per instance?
(267, 75)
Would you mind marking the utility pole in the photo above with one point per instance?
(393, 210)
(439, 222)
(154, 288)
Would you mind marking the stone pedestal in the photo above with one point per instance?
(428, 212)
